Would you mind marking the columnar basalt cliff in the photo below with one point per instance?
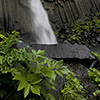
(67, 11)
(15, 14)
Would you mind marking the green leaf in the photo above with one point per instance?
(51, 81)
(50, 97)
(1, 60)
(34, 52)
(26, 90)
(49, 85)
(9, 60)
(2, 36)
(33, 78)
(37, 68)
(59, 73)
(57, 64)
(64, 70)
(47, 95)
(48, 61)
(35, 89)
(48, 72)
(22, 84)
(40, 52)
(18, 76)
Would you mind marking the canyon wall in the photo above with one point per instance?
(15, 14)
(66, 11)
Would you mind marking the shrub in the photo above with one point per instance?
(73, 89)
(30, 71)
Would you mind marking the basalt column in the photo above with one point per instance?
(66, 11)
(15, 15)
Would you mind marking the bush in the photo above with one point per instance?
(29, 71)
(73, 90)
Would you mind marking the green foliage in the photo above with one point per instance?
(30, 70)
(97, 55)
(72, 89)
(94, 75)
(81, 30)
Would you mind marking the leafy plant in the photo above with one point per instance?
(94, 75)
(73, 90)
(30, 70)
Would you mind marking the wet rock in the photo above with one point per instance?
(93, 44)
(98, 38)
(82, 73)
(15, 15)
(66, 42)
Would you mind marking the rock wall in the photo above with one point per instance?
(15, 15)
(66, 11)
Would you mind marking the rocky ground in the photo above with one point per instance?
(84, 31)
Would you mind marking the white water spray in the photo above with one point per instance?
(41, 26)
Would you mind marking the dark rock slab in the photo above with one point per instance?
(62, 51)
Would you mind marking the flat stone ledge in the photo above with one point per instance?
(62, 51)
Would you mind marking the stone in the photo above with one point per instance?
(63, 51)
(98, 38)
(15, 15)
(82, 74)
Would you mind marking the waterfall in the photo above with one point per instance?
(42, 30)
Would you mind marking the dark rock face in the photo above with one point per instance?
(15, 15)
(66, 11)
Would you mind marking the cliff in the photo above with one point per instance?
(15, 14)
(67, 11)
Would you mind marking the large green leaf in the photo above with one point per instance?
(33, 78)
(27, 90)
(48, 72)
(35, 89)
(22, 84)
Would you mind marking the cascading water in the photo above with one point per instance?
(41, 26)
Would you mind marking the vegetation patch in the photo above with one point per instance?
(28, 75)
(83, 31)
